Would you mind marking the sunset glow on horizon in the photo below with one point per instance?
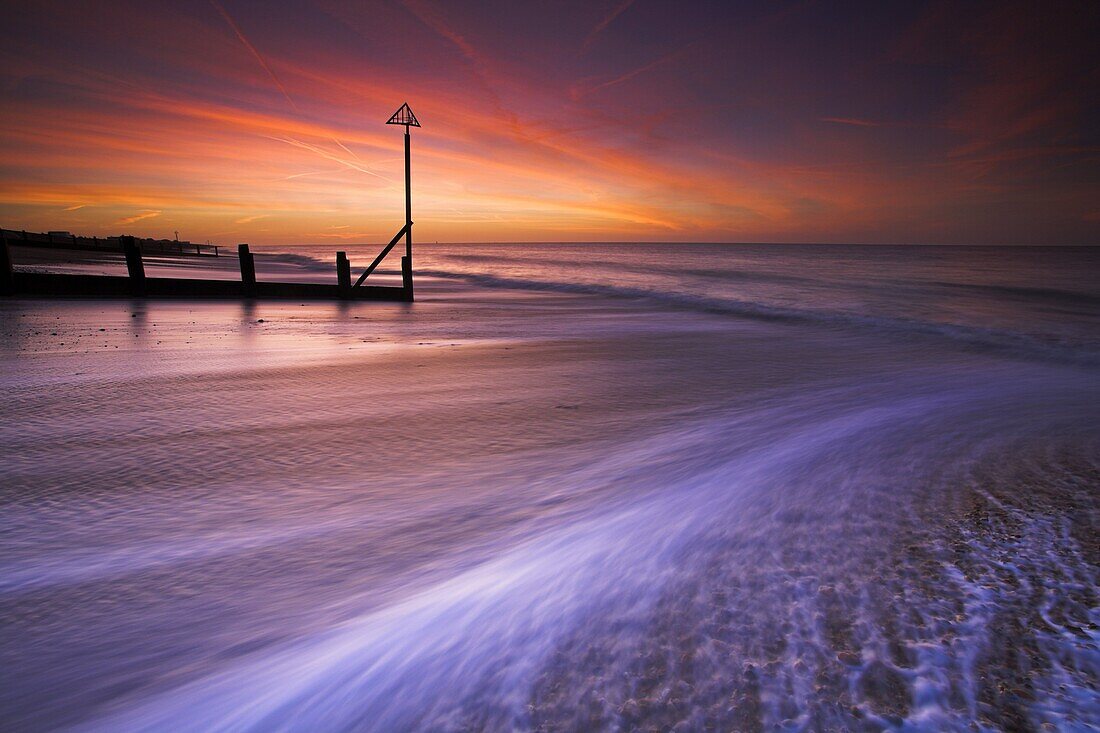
(263, 122)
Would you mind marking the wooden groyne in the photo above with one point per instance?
(135, 284)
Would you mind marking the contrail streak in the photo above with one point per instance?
(329, 156)
(263, 63)
(254, 52)
(615, 13)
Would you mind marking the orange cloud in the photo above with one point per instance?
(518, 141)
(126, 221)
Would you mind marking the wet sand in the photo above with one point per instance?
(536, 511)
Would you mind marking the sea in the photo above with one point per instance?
(630, 486)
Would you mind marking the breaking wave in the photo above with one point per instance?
(1005, 342)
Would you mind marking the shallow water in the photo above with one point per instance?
(730, 489)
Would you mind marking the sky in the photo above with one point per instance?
(262, 121)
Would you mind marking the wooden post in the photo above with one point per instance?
(407, 277)
(343, 274)
(134, 266)
(7, 279)
(248, 270)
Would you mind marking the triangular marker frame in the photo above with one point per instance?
(404, 116)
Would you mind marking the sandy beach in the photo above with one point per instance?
(566, 509)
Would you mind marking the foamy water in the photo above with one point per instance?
(721, 490)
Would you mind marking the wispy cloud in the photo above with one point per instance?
(579, 92)
(855, 121)
(249, 219)
(306, 174)
(615, 13)
(126, 221)
(430, 15)
(483, 67)
(346, 149)
(252, 49)
(345, 235)
(74, 208)
(329, 156)
(266, 67)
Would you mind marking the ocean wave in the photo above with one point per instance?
(1012, 342)
(1068, 297)
(303, 261)
(714, 273)
(738, 274)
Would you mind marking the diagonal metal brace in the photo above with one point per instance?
(382, 256)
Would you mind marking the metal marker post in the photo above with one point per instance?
(404, 116)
